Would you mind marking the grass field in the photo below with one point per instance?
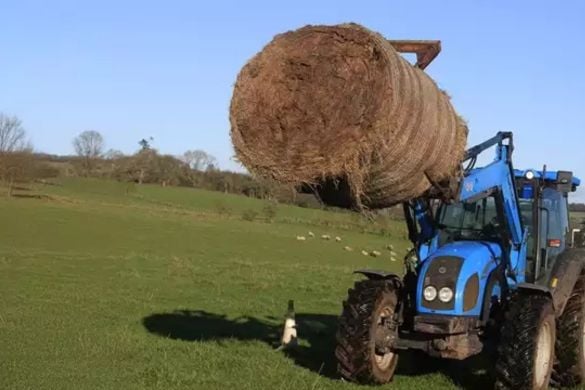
(106, 285)
(577, 219)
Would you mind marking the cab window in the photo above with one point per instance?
(554, 221)
(469, 221)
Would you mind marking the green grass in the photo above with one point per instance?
(105, 285)
(577, 219)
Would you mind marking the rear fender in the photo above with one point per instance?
(568, 267)
(531, 288)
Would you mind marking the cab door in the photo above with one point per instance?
(553, 230)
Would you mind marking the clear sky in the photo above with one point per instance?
(135, 69)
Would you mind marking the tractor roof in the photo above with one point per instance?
(551, 176)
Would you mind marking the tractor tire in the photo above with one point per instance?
(569, 370)
(527, 344)
(369, 304)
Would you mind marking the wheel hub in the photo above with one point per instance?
(384, 337)
(543, 358)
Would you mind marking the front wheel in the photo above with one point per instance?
(526, 350)
(366, 332)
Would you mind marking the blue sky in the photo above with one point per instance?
(135, 69)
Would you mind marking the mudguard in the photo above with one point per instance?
(567, 269)
(379, 275)
(564, 275)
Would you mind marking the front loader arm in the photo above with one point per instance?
(497, 179)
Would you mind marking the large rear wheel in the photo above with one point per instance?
(526, 351)
(366, 333)
(570, 346)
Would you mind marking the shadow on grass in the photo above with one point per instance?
(30, 196)
(19, 188)
(317, 343)
(317, 333)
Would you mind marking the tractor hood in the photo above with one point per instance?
(469, 250)
(463, 267)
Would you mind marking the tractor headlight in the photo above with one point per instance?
(529, 175)
(430, 293)
(445, 294)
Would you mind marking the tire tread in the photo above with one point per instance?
(514, 364)
(353, 335)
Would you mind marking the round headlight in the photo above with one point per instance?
(445, 294)
(529, 175)
(430, 293)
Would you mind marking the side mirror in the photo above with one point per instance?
(564, 181)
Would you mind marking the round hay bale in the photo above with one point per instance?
(336, 107)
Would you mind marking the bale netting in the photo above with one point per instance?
(337, 108)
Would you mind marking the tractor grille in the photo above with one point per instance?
(443, 272)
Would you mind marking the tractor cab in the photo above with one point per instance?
(544, 215)
(544, 206)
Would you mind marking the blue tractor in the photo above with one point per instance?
(492, 269)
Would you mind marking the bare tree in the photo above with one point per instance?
(89, 145)
(16, 159)
(12, 135)
(199, 160)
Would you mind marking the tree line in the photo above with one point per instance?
(194, 168)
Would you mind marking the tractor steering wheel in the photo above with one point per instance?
(492, 228)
